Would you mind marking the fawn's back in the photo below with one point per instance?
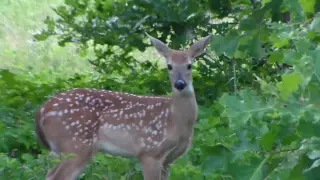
(92, 117)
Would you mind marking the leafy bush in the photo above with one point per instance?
(257, 86)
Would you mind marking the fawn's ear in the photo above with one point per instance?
(197, 48)
(162, 48)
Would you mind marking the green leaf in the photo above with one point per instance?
(265, 1)
(240, 108)
(316, 58)
(290, 83)
(255, 48)
(258, 173)
(308, 5)
(247, 167)
(315, 154)
(315, 164)
(292, 57)
(42, 36)
(315, 24)
(307, 128)
(249, 24)
(27, 157)
(216, 157)
(269, 138)
(279, 42)
(284, 168)
(275, 57)
(226, 44)
(72, 3)
(267, 88)
(302, 45)
(243, 145)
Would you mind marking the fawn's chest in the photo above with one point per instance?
(178, 140)
(180, 130)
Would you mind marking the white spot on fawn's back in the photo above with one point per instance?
(42, 110)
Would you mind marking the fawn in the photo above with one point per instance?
(155, 129)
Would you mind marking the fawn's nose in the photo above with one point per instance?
(180, 84)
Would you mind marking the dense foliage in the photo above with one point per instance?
(258, 85)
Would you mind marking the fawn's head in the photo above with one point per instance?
(179, 62)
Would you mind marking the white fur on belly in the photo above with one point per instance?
(112, 149)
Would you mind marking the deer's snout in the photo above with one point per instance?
(180, 84)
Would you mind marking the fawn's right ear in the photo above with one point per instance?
(197, 48)
(162, 48)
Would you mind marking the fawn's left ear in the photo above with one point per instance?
(197, 48)
(162, 48)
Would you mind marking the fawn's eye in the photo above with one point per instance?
(189, 66)
(169, 67)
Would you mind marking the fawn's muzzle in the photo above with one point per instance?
(180, 84)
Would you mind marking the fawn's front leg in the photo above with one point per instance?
(176, 153)
(151, 168)
(165, 172)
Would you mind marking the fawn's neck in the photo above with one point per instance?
(184, 108)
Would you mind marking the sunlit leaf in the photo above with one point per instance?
(308, 5)
(290, 83)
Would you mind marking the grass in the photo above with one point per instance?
(19, 20)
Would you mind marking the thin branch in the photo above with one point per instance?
(235, 78)
(282, 151)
